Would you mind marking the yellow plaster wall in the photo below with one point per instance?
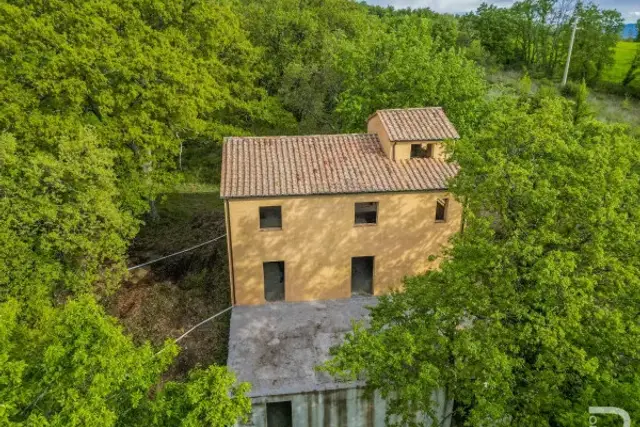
(318, 239)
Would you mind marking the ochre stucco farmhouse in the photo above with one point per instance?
(330, 216)
(317, 226)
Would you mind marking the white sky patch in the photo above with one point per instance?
(628, 8)
(442, 6)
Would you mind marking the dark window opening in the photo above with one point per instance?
(441, 209)
(270, 217)
(279, 414)
(362, 276)
(420, 151)
(273, 280)
(367, 213)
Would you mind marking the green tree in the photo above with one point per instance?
(400, 65)
(299, 41)
(73, 366)
(98, 97)
(535, 34)
(582, 109)
(202, 400)
(595, 42)
(634, 69)
(533, 315)
(62, 226)
(495, 28)
(147, 75)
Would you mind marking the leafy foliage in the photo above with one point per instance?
(146, 75)
(533, 315)
(71, 367)
(594, 48)
(332, 64)
(75, 367)
(201, 401)
(535, 34)
(299, 40)
(61, 222)
(401, 65)
(97, 99)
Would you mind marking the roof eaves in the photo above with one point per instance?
(343, 193)
(413, 140)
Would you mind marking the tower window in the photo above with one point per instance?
(421, 151)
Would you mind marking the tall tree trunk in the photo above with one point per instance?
(153, 210)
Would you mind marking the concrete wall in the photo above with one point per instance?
(318, 239)
(402, 149)
(340, 408)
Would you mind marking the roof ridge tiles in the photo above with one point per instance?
(295, 165)
(317, 135)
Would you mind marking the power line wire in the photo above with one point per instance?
(177, 253)
(177, 339)
(197, 326)
(203, 322)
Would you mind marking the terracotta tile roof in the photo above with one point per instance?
(322, 164)
(417, 124)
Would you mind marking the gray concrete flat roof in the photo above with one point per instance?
(277, 346)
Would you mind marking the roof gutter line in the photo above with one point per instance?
(277, 196)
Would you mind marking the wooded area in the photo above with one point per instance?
(106, 105)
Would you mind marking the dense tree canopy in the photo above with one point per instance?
(533, 315)
(299, 41)
(75, 367)
(121, 84)
(96, 100)
(402, 65)
(332, 64)
(535, 34)
(102, 102)
(145, 75)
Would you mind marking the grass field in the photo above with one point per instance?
(625, 51)
(607, 106)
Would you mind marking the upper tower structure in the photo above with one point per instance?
(412, 132)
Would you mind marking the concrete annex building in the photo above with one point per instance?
(317, 226)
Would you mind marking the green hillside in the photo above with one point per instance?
(624, 54)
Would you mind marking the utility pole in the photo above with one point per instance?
(573, 37)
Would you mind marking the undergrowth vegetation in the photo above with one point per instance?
(166, 298)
